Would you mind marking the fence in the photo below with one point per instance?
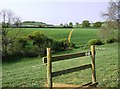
(49, 59)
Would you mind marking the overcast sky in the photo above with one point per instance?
(56, 12)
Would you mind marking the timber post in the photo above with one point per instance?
(93, 63)
(49, 69)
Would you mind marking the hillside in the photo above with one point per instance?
(35, 24)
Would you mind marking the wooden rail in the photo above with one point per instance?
(67, 56)
(50, 59)
(70, 70)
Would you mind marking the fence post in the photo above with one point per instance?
(49, 69)
(93, 64)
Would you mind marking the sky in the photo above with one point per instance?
(56, 12)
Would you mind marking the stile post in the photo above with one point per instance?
(49, 69)
(93, 63)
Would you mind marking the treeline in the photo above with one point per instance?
(84, 24)
(34, 24)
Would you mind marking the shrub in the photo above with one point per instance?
(40, 42)
(71, 45)
(19, 47)
(57, 45)
(118, 39)
(65, 44)
(111, 40)
(62, 44)
(95, 42)
(35, 45)
(22, 42)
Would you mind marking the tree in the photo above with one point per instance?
(61, 25)
(85, 24)
(40, 42)
(112, 13)
(112, 17)
(76, 24)
(97, 24)
(8, 19)
(70, 24)
(17, 21)
(65, 25)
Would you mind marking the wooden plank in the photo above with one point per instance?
(49, 69)
(67, 56)
(93, 63)
(70, 70)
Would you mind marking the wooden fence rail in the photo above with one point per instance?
(67, 56)
(49, 59)
(70, 70)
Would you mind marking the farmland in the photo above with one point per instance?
(31, 72)
(79, 36)
(76, 31)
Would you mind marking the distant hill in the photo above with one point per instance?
(35, 24)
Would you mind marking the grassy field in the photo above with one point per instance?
(31, 72)
(79, 36)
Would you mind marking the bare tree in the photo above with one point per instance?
(8, 19)
(112, 13)
(17, 21)
(112, 17)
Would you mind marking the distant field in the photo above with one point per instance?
(30, 72)
(79, 36)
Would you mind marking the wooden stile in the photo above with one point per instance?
(51, 74)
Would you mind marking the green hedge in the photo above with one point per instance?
(35, 45)
(111, 40)
(95, 42)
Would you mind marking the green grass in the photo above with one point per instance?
(79, 36)
(31, 72)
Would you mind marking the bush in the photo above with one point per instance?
(40, 42)
(72, 45)
(65, 44)
(35, 45)
(118, 39)
(22, 42)
(57, 45)
(17, 48)
(95, 42)
(111, 40)
(62, 44)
